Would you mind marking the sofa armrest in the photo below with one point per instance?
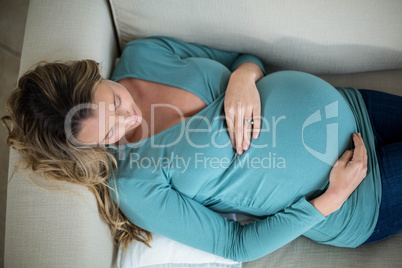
(58, 226)
(62, 227)
(69, 30)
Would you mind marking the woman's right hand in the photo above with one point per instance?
(347, 173)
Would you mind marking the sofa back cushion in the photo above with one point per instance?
(314, 36)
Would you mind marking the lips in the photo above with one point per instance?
(132, 123)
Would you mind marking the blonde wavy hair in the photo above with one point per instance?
(37, 111)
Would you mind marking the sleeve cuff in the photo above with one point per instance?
(308, 208)
(247, 58)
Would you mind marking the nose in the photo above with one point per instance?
(126, 117)
(123, 114)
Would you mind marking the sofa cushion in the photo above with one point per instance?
(303, 252)
(312, 36)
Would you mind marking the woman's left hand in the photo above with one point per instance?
(242, 102)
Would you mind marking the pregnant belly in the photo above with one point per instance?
(306, 126)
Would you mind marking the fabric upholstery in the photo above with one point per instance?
(303, 252)
(58, 228)
(313, 36)
(61, 31)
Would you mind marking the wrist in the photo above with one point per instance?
(243, 73)
(249, 70)
(338, 195)
(327, 203)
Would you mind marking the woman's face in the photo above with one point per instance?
(115, 114)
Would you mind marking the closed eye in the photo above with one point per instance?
(111, 131)
(110, 135)
(119, 102)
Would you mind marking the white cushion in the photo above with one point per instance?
(169, 253)
(53, 224)
(313, 36)
(165, 252)
(69, 30)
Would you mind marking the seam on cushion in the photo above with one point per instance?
(115, 25)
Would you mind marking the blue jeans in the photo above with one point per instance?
(385, 112)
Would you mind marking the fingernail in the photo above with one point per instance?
(245, 146)
(239, 150)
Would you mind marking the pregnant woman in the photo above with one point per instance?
(183, 131)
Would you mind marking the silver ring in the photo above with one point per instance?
(248, 121)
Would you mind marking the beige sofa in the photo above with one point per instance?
(349, 43)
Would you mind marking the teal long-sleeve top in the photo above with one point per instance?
(175, 182)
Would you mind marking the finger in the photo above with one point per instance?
(364, 147)
(360, 161)
(256, 120)
(364, 154)
(230, 124)
(239, 117)
(345, 158)
(247, 129)
(359, 148)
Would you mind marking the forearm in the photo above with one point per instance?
(265, 236)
